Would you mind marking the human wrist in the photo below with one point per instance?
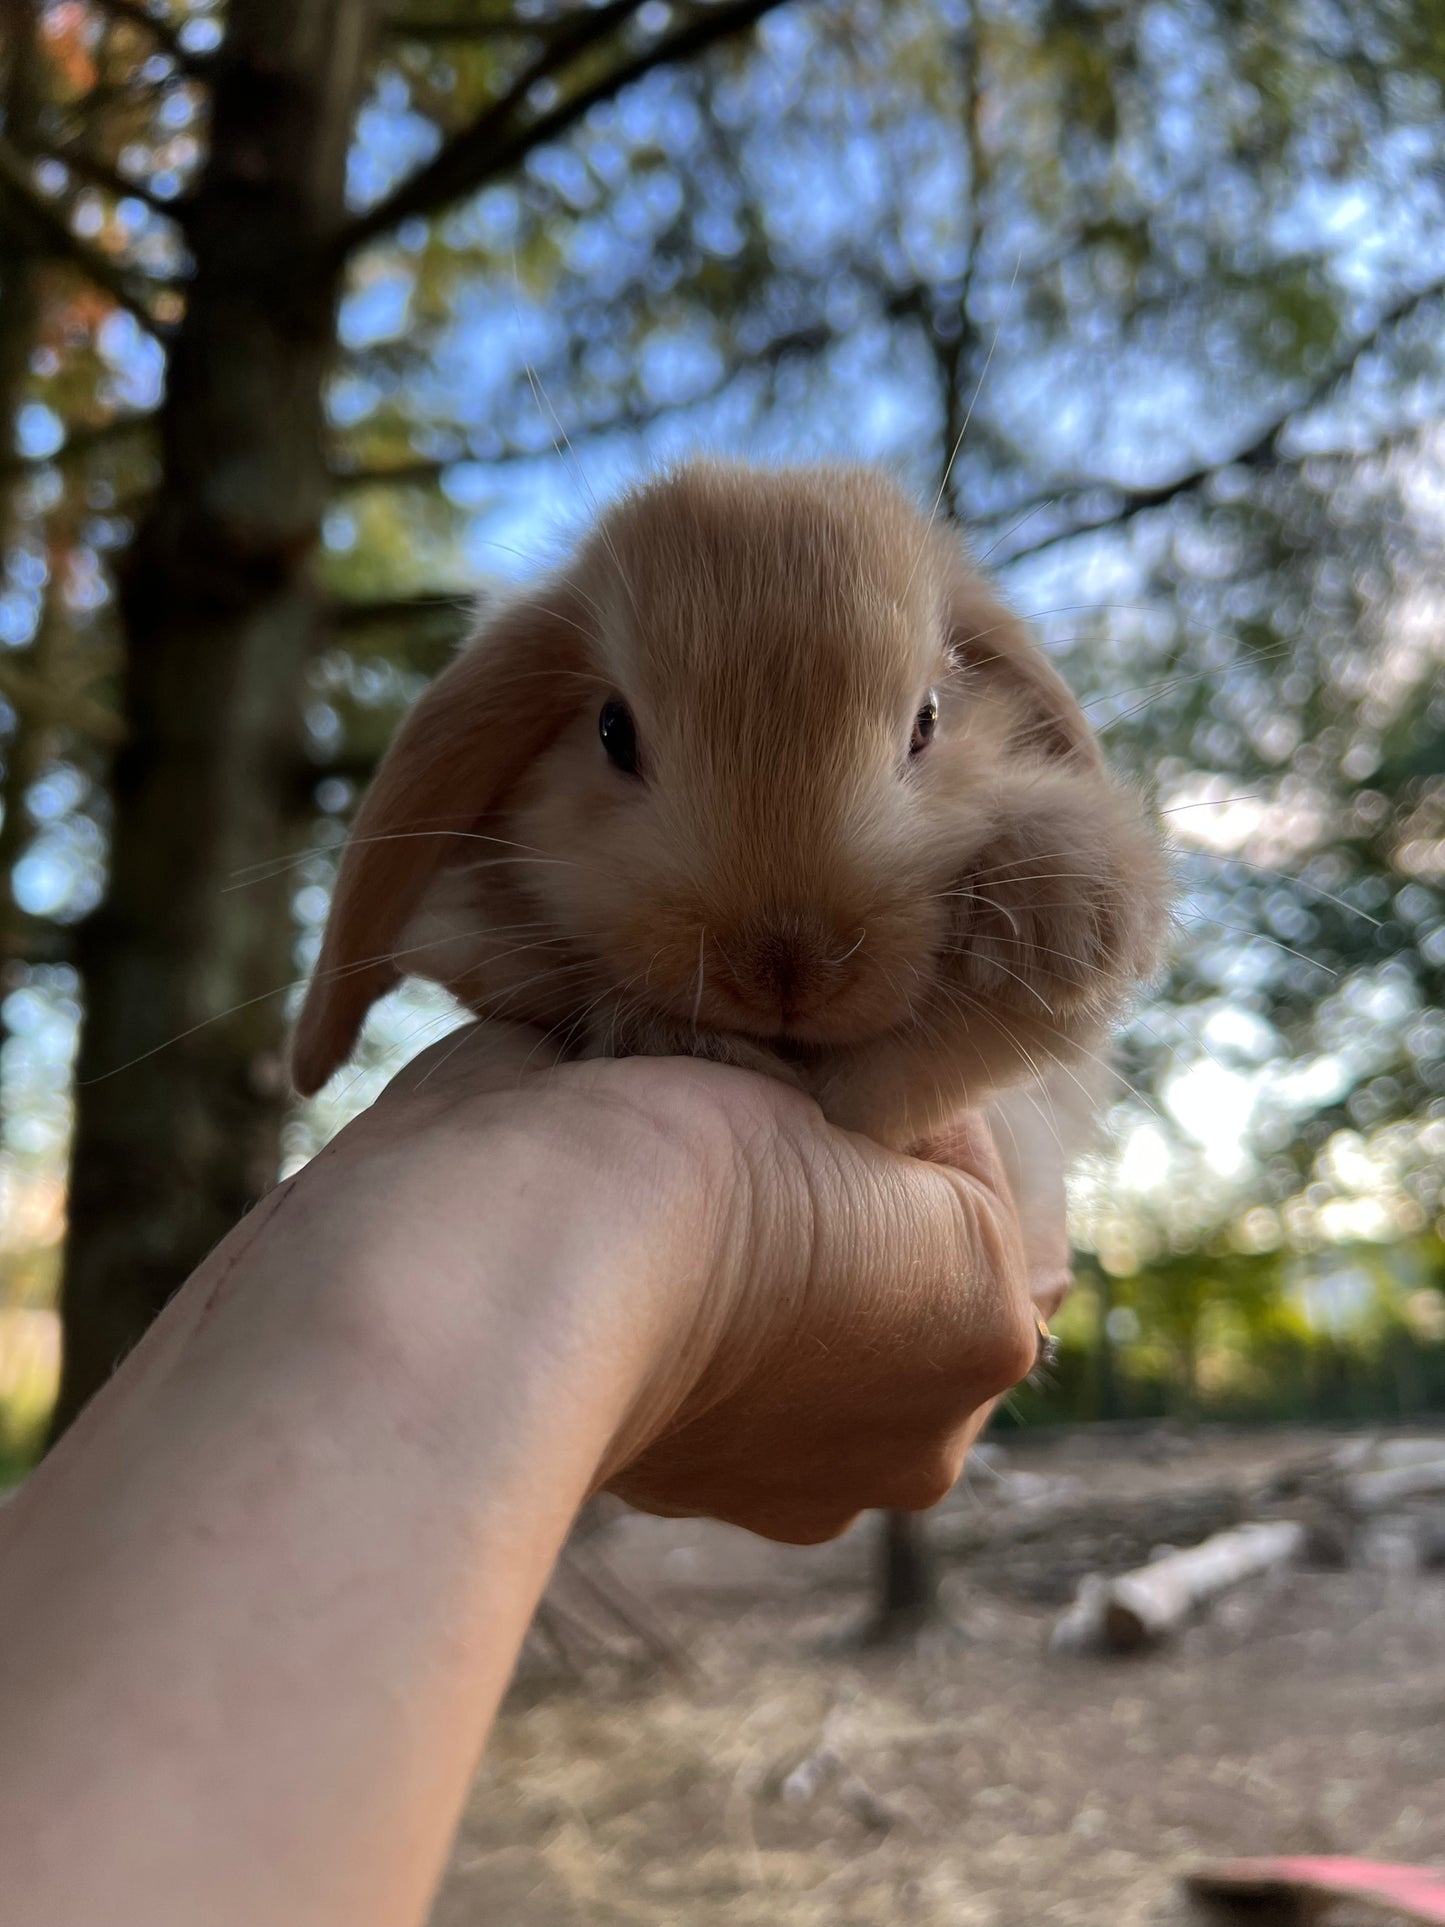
(580, 1247)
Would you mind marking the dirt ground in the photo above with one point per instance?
(976, 1778)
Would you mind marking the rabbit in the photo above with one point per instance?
(765, 773)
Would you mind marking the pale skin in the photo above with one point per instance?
(260, 1605)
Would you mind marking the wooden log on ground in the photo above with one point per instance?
(1138, 1608)
(1042, 1549)
(1378, 1488)
(1409, 1451)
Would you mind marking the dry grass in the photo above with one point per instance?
(981, 1782)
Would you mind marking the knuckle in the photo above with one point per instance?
(925, 1483)
(1013, 1352)
(799, 1526)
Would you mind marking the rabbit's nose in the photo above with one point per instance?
(783, 967)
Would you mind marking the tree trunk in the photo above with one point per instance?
(908, 1573)
(909, 1579)
(1107, 1403)
(17, 260)
(31, 744)
(217, 610)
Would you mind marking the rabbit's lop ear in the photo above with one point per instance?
(991, 648)
(459, 752)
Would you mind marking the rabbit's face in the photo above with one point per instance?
(745, 824)
(767, 759)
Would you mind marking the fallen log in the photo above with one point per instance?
(1407, 1451)
(1375, 1489)
(1042, 1550)
(1137, 1608)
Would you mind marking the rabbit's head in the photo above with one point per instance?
(767, 759)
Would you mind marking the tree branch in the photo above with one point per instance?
(1262, 452)
(446, 27)
(484, 26)
(810, 340)
(489, 147)
(349, 617)
(99, 174)
(565, 41)
(78, 442)
(37, 701)
(576, 37)
(423, 631)
(54, 234)
(36, 940)
(399, 474)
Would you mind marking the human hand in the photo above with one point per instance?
(827, 1324)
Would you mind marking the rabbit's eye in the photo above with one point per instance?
(619, 736)
(924, 723)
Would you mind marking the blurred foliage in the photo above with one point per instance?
(1224, 1335)
(1178, 263)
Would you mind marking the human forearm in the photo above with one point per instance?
(255, 1669)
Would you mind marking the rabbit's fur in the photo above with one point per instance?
(781, 884)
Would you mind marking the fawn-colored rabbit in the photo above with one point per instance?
(767, 774)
